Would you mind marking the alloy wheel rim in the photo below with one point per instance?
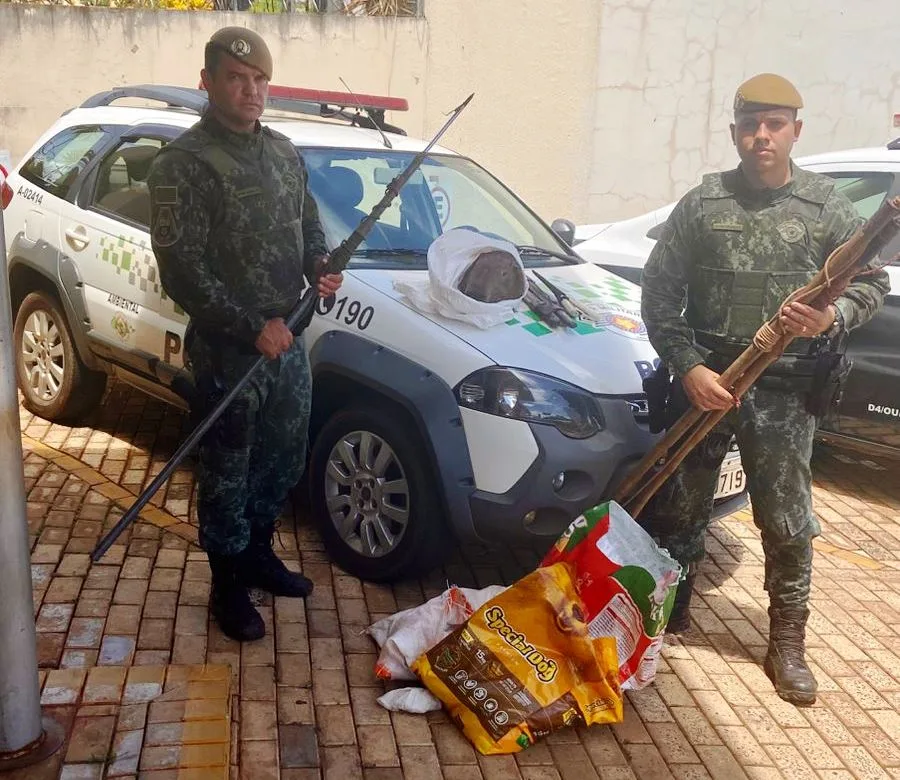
(367, 494)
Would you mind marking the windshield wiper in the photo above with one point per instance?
(376, 252)
(530, 249)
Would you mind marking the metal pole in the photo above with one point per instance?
(23, 735)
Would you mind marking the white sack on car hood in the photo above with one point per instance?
(449, 257)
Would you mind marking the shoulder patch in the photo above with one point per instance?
(166, 230)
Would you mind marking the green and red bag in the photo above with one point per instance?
(627, 583)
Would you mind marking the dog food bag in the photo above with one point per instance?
(627, 583)
(524, 665)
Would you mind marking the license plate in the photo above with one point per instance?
(731, 482)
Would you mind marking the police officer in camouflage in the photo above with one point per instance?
(235, 230)
(732, 250)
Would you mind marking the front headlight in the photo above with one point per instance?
(534, 398)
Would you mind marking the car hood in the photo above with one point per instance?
(610, 357)
(586, 232)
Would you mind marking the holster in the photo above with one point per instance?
(830, 374)
(657, 388)
(208, 391)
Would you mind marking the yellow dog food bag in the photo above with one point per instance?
(524, 665)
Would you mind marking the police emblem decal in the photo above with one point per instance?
(240, 47)
(792, 231)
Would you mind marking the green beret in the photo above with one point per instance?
(245, 46)
(766, 90)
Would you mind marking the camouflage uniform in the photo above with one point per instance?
(728, 258)
(234, 231)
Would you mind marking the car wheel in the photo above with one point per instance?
(374, 497)
(55, 384)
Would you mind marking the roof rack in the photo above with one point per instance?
(329, 105)
(174, 97)
(894, 145)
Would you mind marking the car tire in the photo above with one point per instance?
(347, 493)
(55, 384)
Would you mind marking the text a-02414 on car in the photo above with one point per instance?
(866, 418)
(423, 427)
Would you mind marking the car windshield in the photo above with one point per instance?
(446, 192)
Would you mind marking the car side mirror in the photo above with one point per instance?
(565, 229)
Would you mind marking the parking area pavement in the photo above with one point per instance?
(149, 688)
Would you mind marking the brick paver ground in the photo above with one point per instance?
(304, 699)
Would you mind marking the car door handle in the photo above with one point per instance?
(77, 237)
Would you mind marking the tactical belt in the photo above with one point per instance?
(792, 372)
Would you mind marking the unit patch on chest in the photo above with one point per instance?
(792, 231)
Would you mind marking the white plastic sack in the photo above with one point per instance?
(449, 257)
(404, 636)
(415, 700)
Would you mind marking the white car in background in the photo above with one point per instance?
(867, 418)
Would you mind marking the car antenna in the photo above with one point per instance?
(384, 137)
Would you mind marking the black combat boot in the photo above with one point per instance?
(263, 569)
(229, 602)
(785, 662)
(680, 619)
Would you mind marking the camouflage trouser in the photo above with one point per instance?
(775, 435)
(255, 452)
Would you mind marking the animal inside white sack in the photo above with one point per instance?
(472, 277)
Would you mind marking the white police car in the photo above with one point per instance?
(421, 425)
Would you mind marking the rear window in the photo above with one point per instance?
(56, 165)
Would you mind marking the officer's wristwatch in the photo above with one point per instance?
(837, 326)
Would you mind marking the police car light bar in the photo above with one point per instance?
(338, 105)
(339, 99)
(334, 105)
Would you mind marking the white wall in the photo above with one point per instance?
(528, 117)
(592, 109)
(668, 70)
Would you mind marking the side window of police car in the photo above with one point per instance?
(121, 188)
(56, 165)
(866, 191)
